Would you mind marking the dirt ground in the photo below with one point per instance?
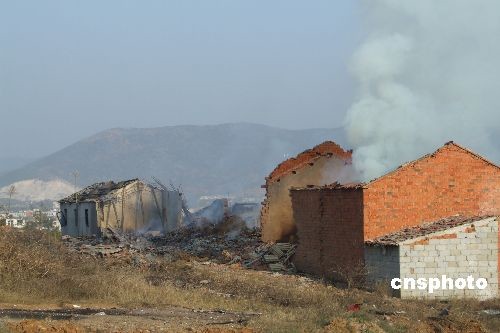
(166, 319)
(47, 288)
(178, 319)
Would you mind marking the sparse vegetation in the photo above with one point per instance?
(35, 268)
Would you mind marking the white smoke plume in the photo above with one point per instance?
(428, 72)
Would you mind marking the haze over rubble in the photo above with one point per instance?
(428, 73)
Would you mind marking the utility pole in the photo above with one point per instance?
(75, 175)
(11, 191)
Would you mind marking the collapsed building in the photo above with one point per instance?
(128, 206)
(336, 223)
(323, 164)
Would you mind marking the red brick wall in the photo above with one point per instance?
(276, 215)
(451, 181)
(329, 230)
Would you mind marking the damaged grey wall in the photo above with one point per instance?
(172, 204)
(84, 223)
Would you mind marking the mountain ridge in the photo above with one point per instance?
(225, 159)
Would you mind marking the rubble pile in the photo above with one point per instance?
(207, 243)
(210, 243)
(277, 257)
(112, 245)
(213, 243)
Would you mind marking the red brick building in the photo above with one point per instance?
(334, 221)
(323, 164)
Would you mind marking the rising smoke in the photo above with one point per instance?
(428, 72)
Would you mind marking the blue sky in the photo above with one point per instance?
(69, 69)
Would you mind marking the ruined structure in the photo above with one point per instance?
(334, 221)
(130, 205)
(323, 164)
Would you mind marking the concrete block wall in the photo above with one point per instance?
(471, 249)
(450, 181)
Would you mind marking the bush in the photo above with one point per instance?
(34, 262)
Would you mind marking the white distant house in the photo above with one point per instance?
(56, 225)
(15, 223)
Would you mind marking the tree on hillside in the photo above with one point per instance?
(11, 192)
(2, 218)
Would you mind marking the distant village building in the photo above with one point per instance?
(323, 164)
(15, 223)
(455, 247)
(130, 206)
(335, 221)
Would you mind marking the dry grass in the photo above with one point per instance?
(37, 269)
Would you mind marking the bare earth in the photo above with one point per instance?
(166, 319)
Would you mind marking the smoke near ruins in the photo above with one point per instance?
(427, 73)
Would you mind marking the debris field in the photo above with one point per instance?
(209, 243)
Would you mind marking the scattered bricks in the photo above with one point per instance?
(446, 236)
(470, 229)
(277, 257)
(270, 258)
(422, 242)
